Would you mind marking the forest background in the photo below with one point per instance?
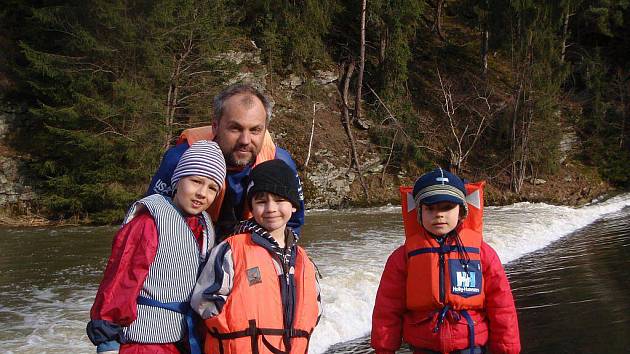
(532, 96)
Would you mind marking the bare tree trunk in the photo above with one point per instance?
(270, 71)
(439, 6)
(171, 104)
(389, 157)
(520, 137)
(173, 99)
(514, 144)
(346, 124)
(383, 45)
(485, 38)
(565, 33)
(310, 140)
(357, 100)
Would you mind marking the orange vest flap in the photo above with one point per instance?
(474, 198)
(192, 135)
(268, 149)
(409, 211)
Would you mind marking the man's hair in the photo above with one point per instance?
(237, 89)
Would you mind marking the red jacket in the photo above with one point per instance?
(496, 327)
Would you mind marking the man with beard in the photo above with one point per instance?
(239, 127)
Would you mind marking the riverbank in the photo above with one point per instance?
(26, 221)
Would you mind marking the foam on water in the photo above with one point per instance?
(50, 322)
(521, 228)
(389, 208)
(351, 276)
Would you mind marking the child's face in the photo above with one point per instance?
(440, 218)
(195, 194)
(271, 211)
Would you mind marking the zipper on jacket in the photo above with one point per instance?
(442, 278)
(287, 286)
(441, 269)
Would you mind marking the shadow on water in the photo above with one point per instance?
(572, 296)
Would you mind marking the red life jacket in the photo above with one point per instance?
(267, 152)
(438, 275)
(252, 319)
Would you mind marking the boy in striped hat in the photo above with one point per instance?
(142, 304)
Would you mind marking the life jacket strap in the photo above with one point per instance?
(440, 250)
(180, 307)
(440, 318)
(253, 332)
(471, 330)
(469, 321)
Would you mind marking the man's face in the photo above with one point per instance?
(241, 129)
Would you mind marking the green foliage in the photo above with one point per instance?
(291, 33)
(99, 74)
(530, 129)
(108, 83)
(398, 21)
(604, 123)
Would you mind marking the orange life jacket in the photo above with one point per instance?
(252, 319)
(437, 275)
(267, 152)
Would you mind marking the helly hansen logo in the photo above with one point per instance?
(253, 276)
(466, 281)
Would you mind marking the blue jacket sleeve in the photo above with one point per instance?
(161, 182)
(297, 219)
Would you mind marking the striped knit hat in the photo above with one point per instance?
(440, 186)
(203, 158)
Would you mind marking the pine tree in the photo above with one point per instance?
(110, 82)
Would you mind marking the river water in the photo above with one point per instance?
(568, 268)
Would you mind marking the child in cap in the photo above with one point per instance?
(258, 292)
(142, 304)
(444, 290)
